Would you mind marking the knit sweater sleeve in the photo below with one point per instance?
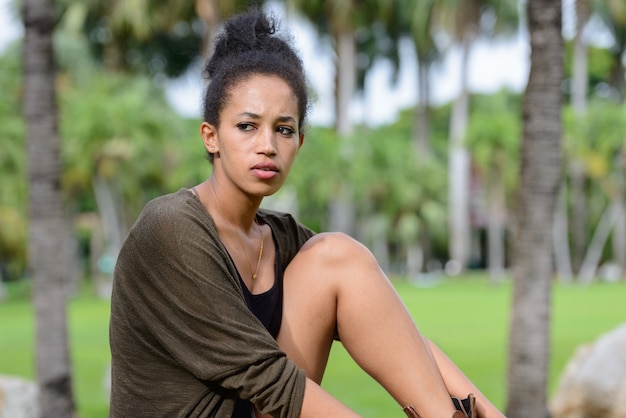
(177, 307)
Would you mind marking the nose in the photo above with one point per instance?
(266, 141)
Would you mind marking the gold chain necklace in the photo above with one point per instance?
(258, 263)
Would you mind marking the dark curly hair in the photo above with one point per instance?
(250, 44)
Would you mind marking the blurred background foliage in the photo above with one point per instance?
(123, 143)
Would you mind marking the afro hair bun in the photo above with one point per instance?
(247, 32)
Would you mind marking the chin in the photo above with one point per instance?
(270, 190)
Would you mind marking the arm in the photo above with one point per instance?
(459, 385)
(319, 403)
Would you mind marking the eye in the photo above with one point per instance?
(246, 127)
(285, 130)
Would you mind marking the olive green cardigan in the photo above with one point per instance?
(183, 342)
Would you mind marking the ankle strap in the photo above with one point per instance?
(466, 408)
(411, 412)
(467, 405)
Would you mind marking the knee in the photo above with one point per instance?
(337, 247)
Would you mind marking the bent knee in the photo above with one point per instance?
(336, 246)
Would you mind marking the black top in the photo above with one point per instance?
(268, 308)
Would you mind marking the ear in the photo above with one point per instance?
(301, 141)
(208, 133)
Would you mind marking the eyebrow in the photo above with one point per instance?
(256, 117)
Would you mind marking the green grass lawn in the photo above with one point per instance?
(467, 317)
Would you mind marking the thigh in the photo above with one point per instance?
(309, 309)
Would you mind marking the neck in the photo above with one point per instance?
(235, 209)
(239, 231)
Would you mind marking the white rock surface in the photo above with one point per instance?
(593, 384)
(18, 398)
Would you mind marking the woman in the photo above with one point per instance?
(221, 309)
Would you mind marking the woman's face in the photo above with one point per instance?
(258, 137)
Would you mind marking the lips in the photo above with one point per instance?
(266, 167)
(265, 171)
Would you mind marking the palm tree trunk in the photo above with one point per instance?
(580, 81)
(562, 258)
(209, 12)
(459, 168)
(619, 235)
(112, 225)
(345, 80)
(342, 211)
(580, 75)
(619, 232)
(421, 126)
(617, 76)
(529, 348)
(579, 212)
(46, 256)
(598, 241)
(495, 229)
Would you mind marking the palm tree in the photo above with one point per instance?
(153, 36)
(98, 154)
(580, 76)
(341, 19)
(46, 258)
(210, 11)
(465, 20)
(595, 140)
(580, 81)
(613, 13)
(493, 139)
(159, 32)
(539, 183)
(13, 189)
(415, 18)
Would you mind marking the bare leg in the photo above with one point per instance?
(458, 384)
(335, 282)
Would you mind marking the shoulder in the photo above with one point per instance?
(172, 207)
(167, 216)
(168, 203)
(172, 227)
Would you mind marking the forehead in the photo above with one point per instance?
(261, 92)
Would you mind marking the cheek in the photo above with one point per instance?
(292, 151)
